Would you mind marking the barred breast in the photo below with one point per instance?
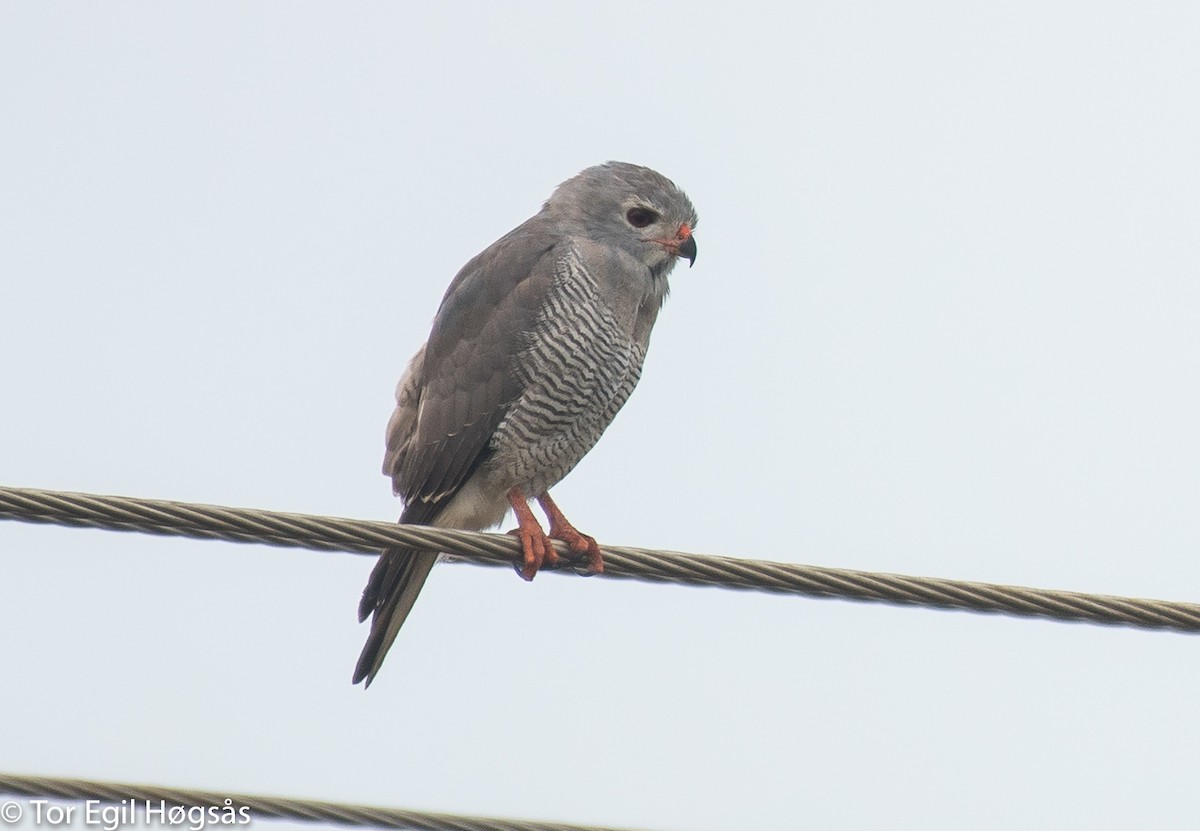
(578, 370)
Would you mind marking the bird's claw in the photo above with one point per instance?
(585, 547)
(536, 546)
(537, 549)
(579, 544)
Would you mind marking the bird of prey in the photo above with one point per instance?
(537, 344)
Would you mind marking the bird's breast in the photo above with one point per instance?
(578, 369)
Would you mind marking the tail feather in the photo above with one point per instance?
(389, 596)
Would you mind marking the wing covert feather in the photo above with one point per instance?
(462, 381)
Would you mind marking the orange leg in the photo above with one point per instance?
(535, 544)
(579, 543)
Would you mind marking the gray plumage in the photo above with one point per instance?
(537, 344)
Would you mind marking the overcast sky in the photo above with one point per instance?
(945, 320)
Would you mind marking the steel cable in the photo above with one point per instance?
(322, 533)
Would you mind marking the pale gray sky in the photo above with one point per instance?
(945, 321)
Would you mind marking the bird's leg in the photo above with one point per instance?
(579, 543)
(535, 544)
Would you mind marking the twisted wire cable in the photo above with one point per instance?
(321, 533)
(309, 810)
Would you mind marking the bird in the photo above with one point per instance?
(538, 342)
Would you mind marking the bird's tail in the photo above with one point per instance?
(390, 594)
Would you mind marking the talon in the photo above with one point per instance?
(536, 547)
(561, 529)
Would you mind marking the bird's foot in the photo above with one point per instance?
(536, 547)
(538, 552)
(581, 544)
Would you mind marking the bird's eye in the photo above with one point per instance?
(640, 217)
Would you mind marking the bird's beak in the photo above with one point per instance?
(684, 244)
(687, 248)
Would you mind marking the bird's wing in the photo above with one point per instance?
(444, 424)
(450, 401)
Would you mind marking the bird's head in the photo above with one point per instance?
(632, 207)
